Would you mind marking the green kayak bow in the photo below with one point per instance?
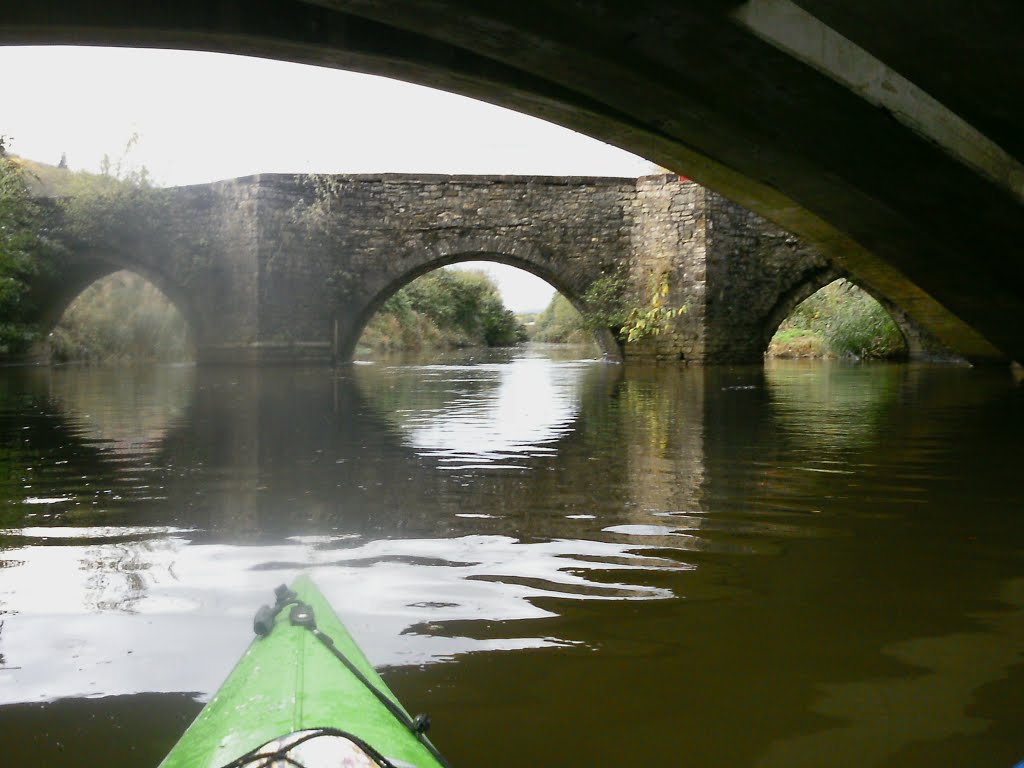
(303, 695)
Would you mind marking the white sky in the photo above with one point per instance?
(203, 116)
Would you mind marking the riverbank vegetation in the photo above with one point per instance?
(605, 306)
(121, 318)
(560, 323)
(444, 309)
(839, 321)
(27, 249)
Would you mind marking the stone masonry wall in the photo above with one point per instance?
(667, 235)
(380, 232)
(752, 265)
(262, 279)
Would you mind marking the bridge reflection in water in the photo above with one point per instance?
(766, 564)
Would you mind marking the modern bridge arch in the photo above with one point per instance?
(883, 133)
(519, 254)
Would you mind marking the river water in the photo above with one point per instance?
(565, 562)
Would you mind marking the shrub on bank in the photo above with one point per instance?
(27, 250)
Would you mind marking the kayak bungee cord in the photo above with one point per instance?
(281, 756)
(301, 615)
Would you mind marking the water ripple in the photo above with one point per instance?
(77, 613)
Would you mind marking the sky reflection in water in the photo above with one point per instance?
(112, 618)
(493, 415)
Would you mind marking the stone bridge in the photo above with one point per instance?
(290, 269)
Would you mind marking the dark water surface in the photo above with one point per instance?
(566, 563)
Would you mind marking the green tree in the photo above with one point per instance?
(26, 250)
(605, 306)
(560, 323)
(445, 308)
(94, 204)
(43, 209)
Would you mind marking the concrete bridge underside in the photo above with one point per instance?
(888, 134)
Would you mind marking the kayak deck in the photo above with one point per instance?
(290, 681)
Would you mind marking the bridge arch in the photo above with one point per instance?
(59, 302)
(55, 296)
(807, 285)
(121, 316)
(920, 345)
(349, 326)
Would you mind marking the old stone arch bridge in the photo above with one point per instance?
(276, 268)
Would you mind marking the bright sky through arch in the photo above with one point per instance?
(203, 116)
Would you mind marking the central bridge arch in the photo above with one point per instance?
(328, 260)
(549, 267)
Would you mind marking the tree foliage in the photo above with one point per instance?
(605, 305)
(94, 204)
(604, 302)
(560, 323)
(840, 320)
(80, 206)
(445, 308)
(26, 250)
(651, 319)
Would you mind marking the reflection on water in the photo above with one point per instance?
(123, 411)
(160, 586)
(82, 443)
(481, 416)
(767, 565)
